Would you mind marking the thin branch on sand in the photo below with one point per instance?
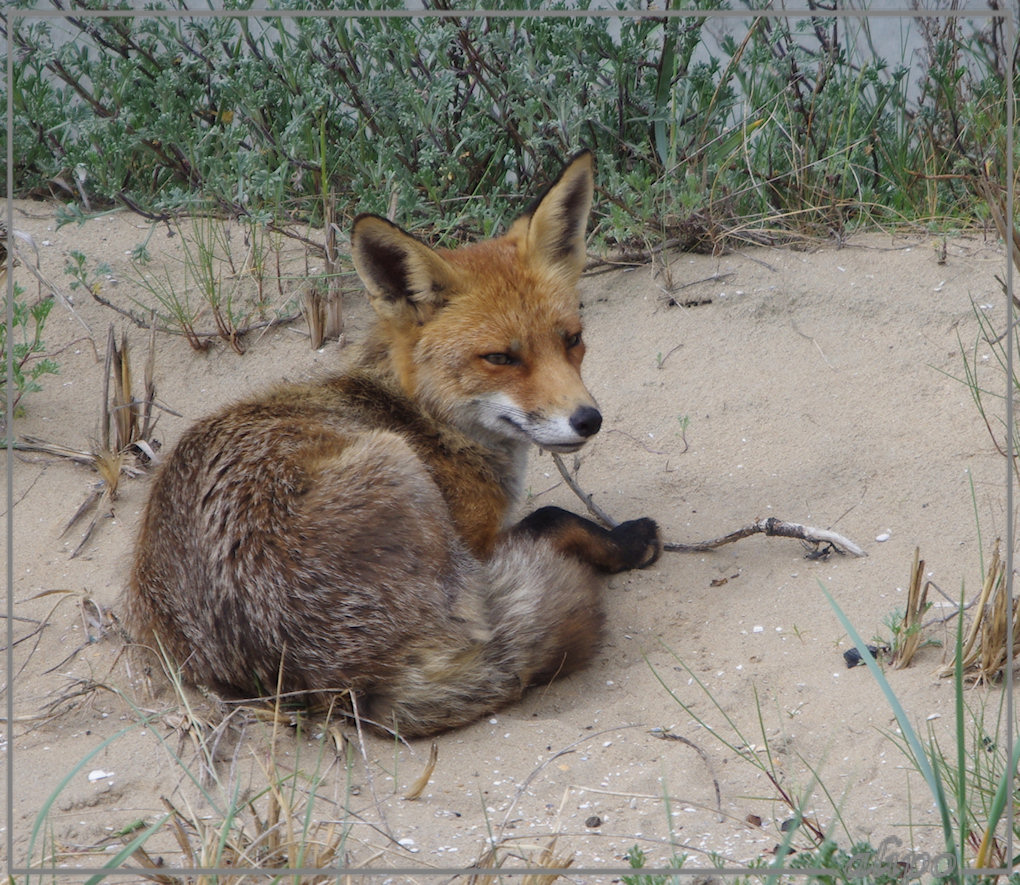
(771, 527)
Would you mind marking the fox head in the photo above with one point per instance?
(488, 336)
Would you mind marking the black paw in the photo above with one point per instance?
(639, 542)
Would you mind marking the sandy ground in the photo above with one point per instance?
(817, 385)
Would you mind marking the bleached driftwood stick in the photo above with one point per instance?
(777, 528)
(770, 527)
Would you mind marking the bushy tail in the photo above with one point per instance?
(542, 618)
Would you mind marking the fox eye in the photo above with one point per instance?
(500, 359)
(572, 341)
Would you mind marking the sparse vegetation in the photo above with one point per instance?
(971, 782)
(288, 126)
(30, 360)
(294, 820)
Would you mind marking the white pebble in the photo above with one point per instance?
(885, 536)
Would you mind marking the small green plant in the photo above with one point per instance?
(207, 277)
(171, 295)
(28, 351)
(209, 268)
(636, 859)
(684, 422)
(899, 633)
(76, 267)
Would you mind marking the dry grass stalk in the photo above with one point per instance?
(985, 650)
(547, 859)
(323, 314)
(418, 787)
(314, 309)
(324, 311)
(917, 604)
(282, 836)
(996, 200)
(130, 418)
(334, 305)
(145, 861)
(126, 425)
(182, 838)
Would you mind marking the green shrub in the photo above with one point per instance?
(290, 117)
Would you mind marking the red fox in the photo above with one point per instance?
(354, 533)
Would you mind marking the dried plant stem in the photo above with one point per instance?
(669, 736)
(917, 600)
(996, 201)
(418, 787)
(198, 340)
(985, 649)
(384, 826)
(771, 526)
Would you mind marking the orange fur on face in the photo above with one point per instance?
(488, 335)
(506, 306)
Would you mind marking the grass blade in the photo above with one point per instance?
(126, 852)
(44, 811)
(997, 807)
(930, 776)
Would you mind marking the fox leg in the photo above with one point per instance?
(633, 544)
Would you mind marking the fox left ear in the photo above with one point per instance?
(557, 224)
(404, 277)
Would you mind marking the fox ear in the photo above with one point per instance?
(559, 220)
(401, 273)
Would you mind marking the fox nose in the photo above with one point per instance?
(586, 421)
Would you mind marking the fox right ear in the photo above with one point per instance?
(399, 271)
(558, 221)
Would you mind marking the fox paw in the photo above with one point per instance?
(639, 542)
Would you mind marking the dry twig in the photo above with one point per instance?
(665, 735)
(996, 201)
(771, 527)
